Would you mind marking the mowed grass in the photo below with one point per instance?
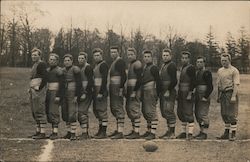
(17, 150)
(171, 151)
(16, 122)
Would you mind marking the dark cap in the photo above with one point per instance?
(68, 55)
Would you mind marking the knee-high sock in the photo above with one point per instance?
(137, 123)
(184, 127)
(120, 125)
(154, 126)
(190, 128)
(73, 127)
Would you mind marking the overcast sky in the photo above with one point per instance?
(188, 18)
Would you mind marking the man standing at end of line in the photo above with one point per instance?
(72, 93)
(37, 92)
(168, 76)
(185, 110)
(117, 80)
(133, 93)
(204, 87)
(228, 84)
(150, 91)
(86, 94)
(100, 93)
(54, 93)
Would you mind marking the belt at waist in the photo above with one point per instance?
(149, 85)
(98, 81)
(201, 88)
(226, 89)
(165, 84)
(53, 86)
(35, 82)
(131, 82)
(71, 85)
(184, 86)
(115, 79)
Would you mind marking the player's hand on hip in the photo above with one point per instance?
(99, 96)
(167, 94)
(36, 88)
(189, 96)
(203, 99)
(75, 100)
(133, 95)
(121, 92)
(57, 99)
(233, 99)
(83, 97)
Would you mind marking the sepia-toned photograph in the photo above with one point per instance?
(153, 81)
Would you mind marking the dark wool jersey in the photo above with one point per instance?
(72, 74)
(101, 72)
(204, 77)
(151, 73)
(118, 68)
(39, 71)
(134, 72)
(55, 74)
(87, 77)
(188, 76)
(168, 75)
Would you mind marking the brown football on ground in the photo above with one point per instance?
(150, 146)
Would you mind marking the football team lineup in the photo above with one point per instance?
(84, 109)
(75, 87)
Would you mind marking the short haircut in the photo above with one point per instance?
(68, 55)
(132, 50)
(37, 50)
(55, 55)
(186, 53)
(147, 51)
(201, 57)
(167, 50)
(97, 50)
(226, 55)
(84, 54)
(115, 47)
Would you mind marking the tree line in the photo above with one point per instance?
(18, 36)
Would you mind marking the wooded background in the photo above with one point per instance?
(19, 35)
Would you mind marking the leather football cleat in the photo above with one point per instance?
(133, 135)
(40, 136)
(182, 136)
(53, 136)
(119, 135)
(150, 136)
(67, 136)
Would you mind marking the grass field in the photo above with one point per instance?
(16, 124)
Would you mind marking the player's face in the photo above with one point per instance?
(225, 62)
(35, 56)
(114, 53)
(166, 56)
(147, 58)
(131, 56)
(67, 62)
(53, 61)
(200, 63)
(81, 59)
(184, 59)
(97, 56)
